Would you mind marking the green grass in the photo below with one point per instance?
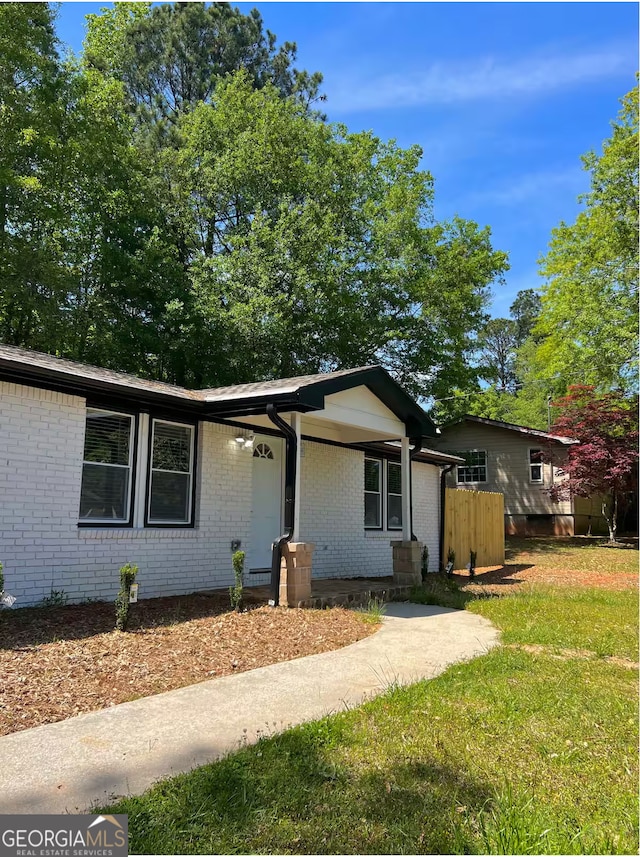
(598, 620)
(514, 752)
(577, 554)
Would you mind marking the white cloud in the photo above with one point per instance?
(484, 79)
(535, 185)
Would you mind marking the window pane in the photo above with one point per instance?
(535, 456)
(107, 438)
(475, 469)
(394, 511)
(371, 475)
(536, 473)
(104, 492)
(171, 447)
(394, 475)
(372, 510)
(169, 497)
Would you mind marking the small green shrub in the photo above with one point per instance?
(424, 570)
(374, 611)
(127, 577)
(236, 591)
(56, 598)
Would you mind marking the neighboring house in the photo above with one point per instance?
(99, 468)
(508, 459)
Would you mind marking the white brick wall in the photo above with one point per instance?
(43, 549)
(332, 515)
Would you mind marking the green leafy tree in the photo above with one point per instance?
(311, 248)
(32, 145)
(172, 56)
(525, 311)
(588, 322)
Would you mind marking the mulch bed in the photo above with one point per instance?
(56, 662)
(495, 580)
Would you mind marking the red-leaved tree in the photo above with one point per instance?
(605, 461)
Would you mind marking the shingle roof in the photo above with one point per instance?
(12, 356)
(280, 385)
(567, 441)
(302, 393)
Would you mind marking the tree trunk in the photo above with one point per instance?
(612, 519)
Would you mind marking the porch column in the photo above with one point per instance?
(296, 419)
(405, 464)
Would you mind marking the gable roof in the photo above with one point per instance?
(303, 393)
(531, 432)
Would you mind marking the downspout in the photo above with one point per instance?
(416, 449)
(291, 443)
(443, 485)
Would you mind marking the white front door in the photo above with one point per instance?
(266, 507)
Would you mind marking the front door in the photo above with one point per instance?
(266, 507)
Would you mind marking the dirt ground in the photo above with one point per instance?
(56, 662)
(578, 561)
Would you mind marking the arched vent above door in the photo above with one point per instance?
(263, 450)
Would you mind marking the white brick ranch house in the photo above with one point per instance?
(100, 468)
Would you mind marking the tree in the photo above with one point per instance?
(605, 461)
(171, 57)
(498, 341)
(588, 322)
(525, 311)
(310, 248)
(32, 140)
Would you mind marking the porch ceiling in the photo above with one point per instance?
(319, 425)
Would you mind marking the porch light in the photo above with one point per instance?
(249, 442)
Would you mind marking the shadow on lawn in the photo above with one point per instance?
(32, 626)
(454, 590)
(515, 545)
(290, 794)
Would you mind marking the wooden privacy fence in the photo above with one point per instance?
(474, 520)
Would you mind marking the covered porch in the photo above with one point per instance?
(358, 409)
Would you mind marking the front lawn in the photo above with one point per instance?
(56, 662)
(531, 748)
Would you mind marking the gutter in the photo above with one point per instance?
(443, 485)
(291, 442)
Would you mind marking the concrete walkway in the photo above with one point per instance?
(71, 765)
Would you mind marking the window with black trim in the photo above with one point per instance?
(536, 473)
(475, 467)
(394, 496)
(170, 473)
(107, 468)
(382, 494)
(373, 493)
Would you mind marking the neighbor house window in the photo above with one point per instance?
(171, 473)
(394, 496)
(535, 466)
(105, 495)
(372, 493)
(475, 467)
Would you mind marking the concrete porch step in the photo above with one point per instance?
(334, 592)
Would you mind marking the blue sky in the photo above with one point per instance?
(503, 98)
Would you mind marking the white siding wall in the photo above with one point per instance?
(43, 549)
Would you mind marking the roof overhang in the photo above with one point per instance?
(374, 406)
(498, 424)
